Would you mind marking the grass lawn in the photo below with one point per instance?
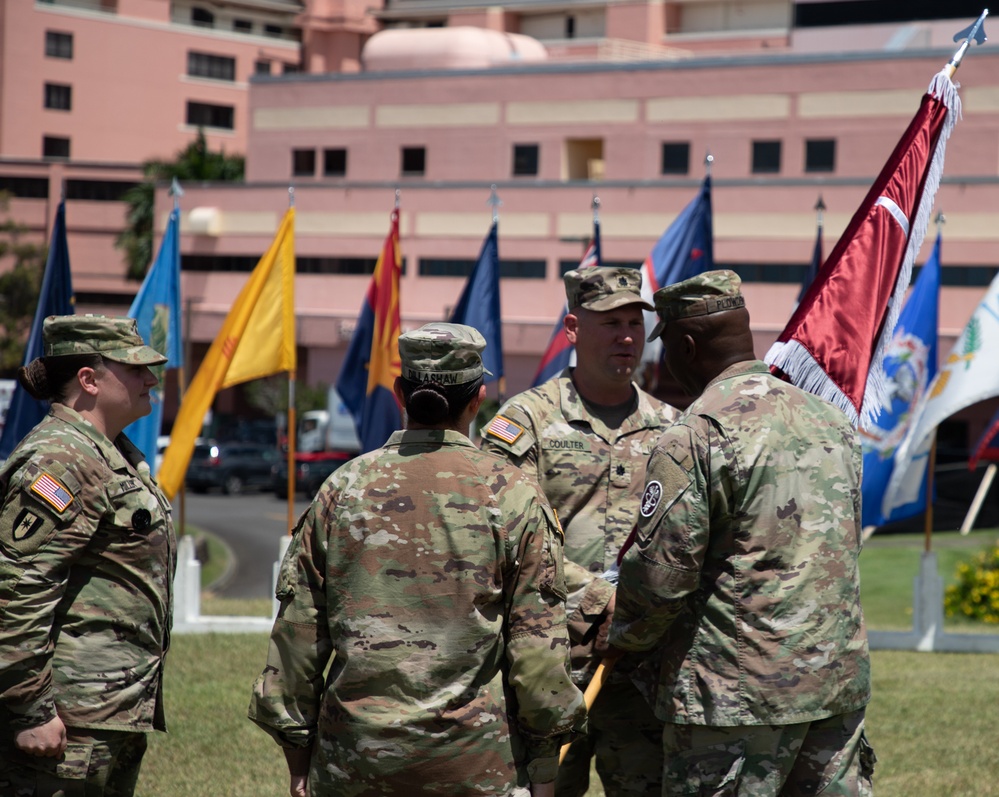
(931, 720)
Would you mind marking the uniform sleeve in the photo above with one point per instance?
(664, 564)
(47, 520)
(288, 693)
(549, 706)
(511, 435)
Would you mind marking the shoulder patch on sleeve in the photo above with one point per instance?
(53, 492)
(502, 428)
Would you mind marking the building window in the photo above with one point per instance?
(584, 159)
(303, 162)
(676, 158)
(289, 69)
(216, 67)
(58, 97)
(98, 190)
(202, 18)
(275, 31)
(242, 25)
(58, 45)
(525, 160)
(55, 147)
(335, 162)
(820, 155)
(459, 267)
(262, 67)
(25, 187)
(202, 114)
(766, 157)
(414, 160)
(570, 27)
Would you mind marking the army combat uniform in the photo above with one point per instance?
(87, 557)
(427, 575)
(745, 566)
(592, 475)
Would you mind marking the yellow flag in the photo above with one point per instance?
(257, 339)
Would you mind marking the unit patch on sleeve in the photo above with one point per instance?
(52, 492)
(651, 498)
(26, 524)
(504, 429)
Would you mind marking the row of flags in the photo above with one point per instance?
(849, 340)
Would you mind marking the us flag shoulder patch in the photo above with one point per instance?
(504, 429)
(52, 492)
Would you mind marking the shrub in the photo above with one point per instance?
(976, 591)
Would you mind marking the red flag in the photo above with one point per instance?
(835, 342)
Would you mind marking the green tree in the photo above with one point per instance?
(270, 395)
(194, 163)
(19, 286)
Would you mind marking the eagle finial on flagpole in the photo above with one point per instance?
(819, 209)
(495, 201)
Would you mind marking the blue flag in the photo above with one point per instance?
(479, 305)
(910, 365)
(372, 364)
(558, 355)
(55, 298)
(156, 309)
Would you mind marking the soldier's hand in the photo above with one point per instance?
(600, 643)
(47, 741)
(543, 789)
(299, 786)
(298, 759)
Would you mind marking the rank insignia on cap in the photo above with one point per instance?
(505, 429)
(52, 492)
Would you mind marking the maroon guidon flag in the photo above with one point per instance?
(835, 342)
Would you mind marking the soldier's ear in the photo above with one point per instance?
(571, 326)
(87, 378)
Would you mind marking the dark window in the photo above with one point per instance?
(289, 69)
(303, 265)
(414, 160)
(460, 267)
(820, 155)
(55, 147)
(262, 67)
(676, 158)
(25, 187)
(525, 160)
(98, 190)
(273, 30)
(58, 97)
(570, 27)
(202, 18)
(335, 162)
(766, 157)
(303, 162)
(202, 114)
(217, 67)
(58, 45)
(242, 26)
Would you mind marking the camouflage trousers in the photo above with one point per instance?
(96, 763)
(626, 739)
(830, 757)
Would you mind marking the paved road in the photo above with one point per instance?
(252, 525)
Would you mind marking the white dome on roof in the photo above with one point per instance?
(448, 48)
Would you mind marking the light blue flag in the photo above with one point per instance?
(156, 310)
(910, 364)
(55, 298)
(479, 305)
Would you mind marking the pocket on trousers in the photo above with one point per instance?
(75, 762)
(714, 770)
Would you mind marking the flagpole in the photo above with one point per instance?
(292, 428)
(974, 32)
(177, 192)
(495, 202)
(931, 461)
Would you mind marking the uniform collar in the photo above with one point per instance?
(428, 437)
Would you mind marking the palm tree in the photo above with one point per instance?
(194, 163)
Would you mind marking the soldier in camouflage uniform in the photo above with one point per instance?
(87, 556)
(745, 566)
(428, 576)
(586, 436)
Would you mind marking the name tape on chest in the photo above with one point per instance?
(52, 492)
(504, 429)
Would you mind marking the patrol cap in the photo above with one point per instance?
(448, 354)
(604, 288)
(708, 292)
(116, 339)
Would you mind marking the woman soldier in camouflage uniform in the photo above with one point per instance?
(87, 555)
(427, 575)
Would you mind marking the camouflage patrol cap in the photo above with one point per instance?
(113, 338)
(602, 289)
(706, 293)
(448, 354)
